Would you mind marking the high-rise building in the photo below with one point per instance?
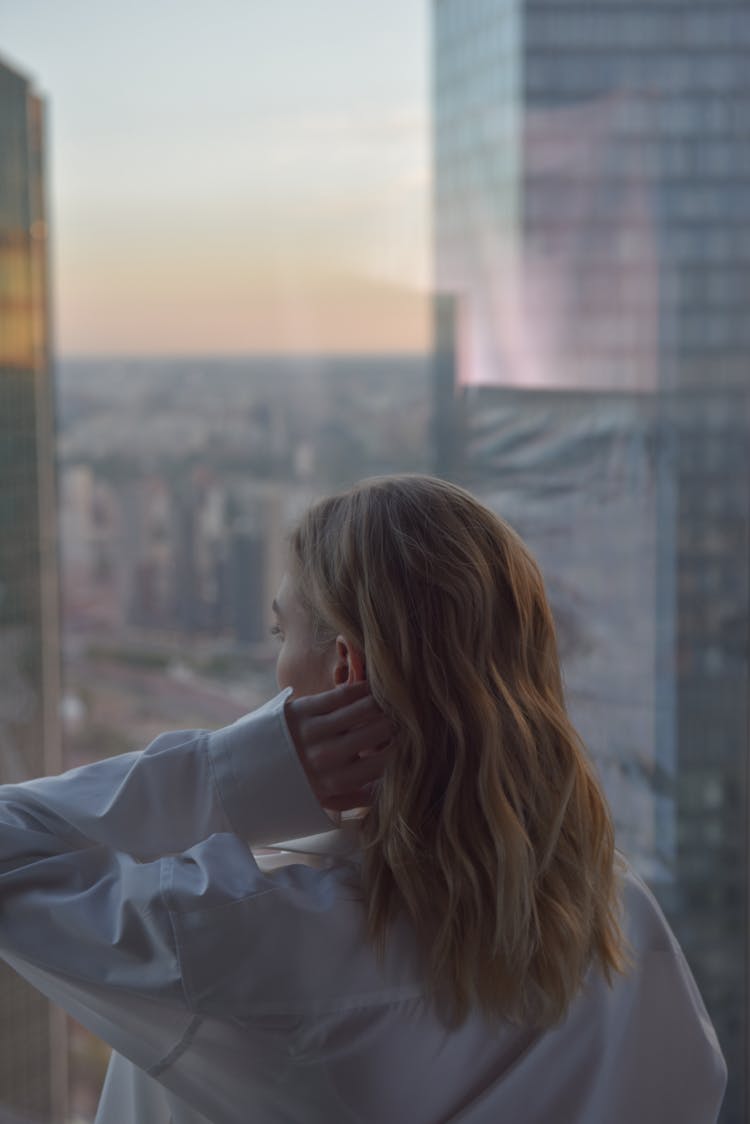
(32, 1035)
(255, 562)
(592, 264)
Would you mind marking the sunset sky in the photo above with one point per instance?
(232, 176)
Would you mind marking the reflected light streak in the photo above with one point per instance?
(573, 299)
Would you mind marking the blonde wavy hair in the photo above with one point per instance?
(488, 828)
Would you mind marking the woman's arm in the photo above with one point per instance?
(88, 905)
(253, 778)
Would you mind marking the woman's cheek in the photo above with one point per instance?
(305, 670)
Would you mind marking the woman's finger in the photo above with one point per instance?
(365, 770)
(326, 702)
(357, 713)
(348, 747)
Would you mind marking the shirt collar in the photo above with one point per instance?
(343, 840)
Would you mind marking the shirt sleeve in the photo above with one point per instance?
(245, 778)
(260, 780)
(85, 868)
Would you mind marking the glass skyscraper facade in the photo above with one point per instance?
(592, 264)
(32, 1039)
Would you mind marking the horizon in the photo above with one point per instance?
(302, 356)
(292, 357)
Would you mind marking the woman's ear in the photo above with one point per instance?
(349, 666)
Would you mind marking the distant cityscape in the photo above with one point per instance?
(178, 483)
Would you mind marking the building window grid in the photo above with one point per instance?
(642, 29)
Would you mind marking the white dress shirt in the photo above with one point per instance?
(242, 990)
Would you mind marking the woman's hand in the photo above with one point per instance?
(342, 739)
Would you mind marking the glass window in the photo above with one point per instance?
(227, 272)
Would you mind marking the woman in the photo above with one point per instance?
(467, 948)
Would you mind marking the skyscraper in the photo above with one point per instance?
(592, 259)
(32, 1045)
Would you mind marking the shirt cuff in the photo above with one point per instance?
(261, 781)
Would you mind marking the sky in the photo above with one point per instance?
(233, 176)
